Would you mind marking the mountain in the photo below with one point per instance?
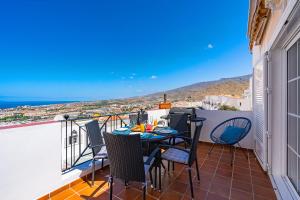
(234, 87)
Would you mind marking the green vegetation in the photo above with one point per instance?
(225, 107)
(16, 117)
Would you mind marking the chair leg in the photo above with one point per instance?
(232, 149)
(168, 165)
(211, 148)
(197, 168)
(162, 164)
(93, 173)
(110, 180)
(102, 163)
(151, 178)
(155, 178)
(144, 191)
(191, 182)
(173, 166)
(159, 177)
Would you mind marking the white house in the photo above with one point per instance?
(274, 40)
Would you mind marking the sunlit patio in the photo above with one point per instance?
(218, 180)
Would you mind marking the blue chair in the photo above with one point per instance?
(230, 132)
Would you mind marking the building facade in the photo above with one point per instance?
(274, 40)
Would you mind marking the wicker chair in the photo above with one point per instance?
(143, 118)
(185, 156)
(96, 144)
(230, 132)
(127, 162)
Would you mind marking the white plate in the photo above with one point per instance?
(160, 126)
(134, 133)
(165, 131)
(121, 129)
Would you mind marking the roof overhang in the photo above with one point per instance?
(257, 21)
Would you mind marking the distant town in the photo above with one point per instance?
(218, 96)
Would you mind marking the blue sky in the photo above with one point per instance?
(88, 50)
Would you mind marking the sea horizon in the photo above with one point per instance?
(15, 104)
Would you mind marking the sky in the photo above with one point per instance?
(103, 49)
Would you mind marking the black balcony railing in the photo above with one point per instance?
(75, 141)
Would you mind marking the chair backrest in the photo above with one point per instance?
(195, 141)
(134, 118)
(94, 134)
(126, 156)
(239, 122)
(179, 122)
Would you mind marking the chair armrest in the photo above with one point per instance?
(153, 154)
(184, 137)
(174, 147)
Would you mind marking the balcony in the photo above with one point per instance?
(46, 166)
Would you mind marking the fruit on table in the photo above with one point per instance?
(136, 128)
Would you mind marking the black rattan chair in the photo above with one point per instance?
(185, 156)
(127, 162)
(96, 144)
(143, 118)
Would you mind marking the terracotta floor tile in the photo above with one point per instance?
(218, 180)
(211, 196)
(240, 195)
(170, 195)
(199, 194)
(90, 191)
(129, 194)
(148, 197)
(221, 190)
(257, 197)
(63, 195)
(80, 186)
(264, 182)
(222, 180)
(45, 197)
(178, 187)
(263, 191)
(75, 197)
(223, 172)
(243, 186)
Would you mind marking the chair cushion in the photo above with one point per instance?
(101, 154)
(175, 155)
(232, 134)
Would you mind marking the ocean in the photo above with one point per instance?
(14, 104)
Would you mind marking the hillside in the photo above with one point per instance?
(234, 86)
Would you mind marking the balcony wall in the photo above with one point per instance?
(30, 160)
(215, 117)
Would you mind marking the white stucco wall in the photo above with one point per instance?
(31, 162)
(215, 117)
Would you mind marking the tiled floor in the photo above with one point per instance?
(219, 180)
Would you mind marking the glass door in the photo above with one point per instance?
(293, 115)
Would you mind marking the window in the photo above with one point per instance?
(293, 115)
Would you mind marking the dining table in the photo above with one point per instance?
(155, 135)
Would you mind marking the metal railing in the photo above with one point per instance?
(75, 141)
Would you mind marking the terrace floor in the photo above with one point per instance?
(218, 180)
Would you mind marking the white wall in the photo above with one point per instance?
(215, 117)
(31, 162)
(30, 159)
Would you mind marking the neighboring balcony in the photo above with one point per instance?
(52, 160)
